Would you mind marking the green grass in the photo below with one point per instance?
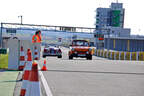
(3, 61)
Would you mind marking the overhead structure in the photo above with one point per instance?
(19, 30)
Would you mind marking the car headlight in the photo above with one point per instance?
(87, 52)
(72, 49)
(90, 49)
(75, 52)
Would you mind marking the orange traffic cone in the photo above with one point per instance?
(22, 59)
(44, 66)
(33, 88)
(36, 53)
(27, 70)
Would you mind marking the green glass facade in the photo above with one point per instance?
(116, 18)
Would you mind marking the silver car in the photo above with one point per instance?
(52, 50)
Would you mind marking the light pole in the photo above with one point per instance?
(108, 43)
(21, 17)
(1, 39)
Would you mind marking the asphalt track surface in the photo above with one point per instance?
(97, 77)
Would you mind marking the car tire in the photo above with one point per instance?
(89, 57)
(44, 56)
(70, 57)
(60, 56)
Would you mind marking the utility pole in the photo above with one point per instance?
(1, 39)
(108, 43)
(21, 17)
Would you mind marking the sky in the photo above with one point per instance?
(76, 13)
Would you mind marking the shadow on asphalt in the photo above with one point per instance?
(83, 59)
(97, 72)
(11, 81)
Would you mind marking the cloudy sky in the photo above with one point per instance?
(77, 13)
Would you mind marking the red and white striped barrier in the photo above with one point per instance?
(22, 59)
(33, 88)
(36, 53)
(27, 70)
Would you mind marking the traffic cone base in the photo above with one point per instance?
(22, 93)
(44, 66)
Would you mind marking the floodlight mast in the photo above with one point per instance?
(21, 17)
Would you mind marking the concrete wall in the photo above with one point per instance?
(121, 44)
(13, 59)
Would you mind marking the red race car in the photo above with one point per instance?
(80, 48)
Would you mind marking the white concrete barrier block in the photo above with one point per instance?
(13, 59)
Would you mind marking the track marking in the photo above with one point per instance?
(45, 84)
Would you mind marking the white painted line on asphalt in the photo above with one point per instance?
(45, 84)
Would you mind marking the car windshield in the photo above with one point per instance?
(80, 43)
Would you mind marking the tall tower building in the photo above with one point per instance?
(113, 16)
(107, 20)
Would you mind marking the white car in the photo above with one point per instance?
(52, 50)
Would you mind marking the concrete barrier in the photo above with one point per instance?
(117, 56)
(112, 55)
(98, 52)
(105, 54)
(14, 53)
(122, 56)
(102, 51)
(127, 55)
(141, 56)
(109, 54)
(137, 56)
(134, 55)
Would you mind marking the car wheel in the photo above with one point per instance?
(60, 56)
(44, 56)
(89, 57)
(70, 57)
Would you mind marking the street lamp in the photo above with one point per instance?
(108, 43)
(21, 17)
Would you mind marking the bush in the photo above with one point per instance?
(3, 61)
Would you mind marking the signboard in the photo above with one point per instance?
(72, 29)
(116, 18)
(11, 31)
